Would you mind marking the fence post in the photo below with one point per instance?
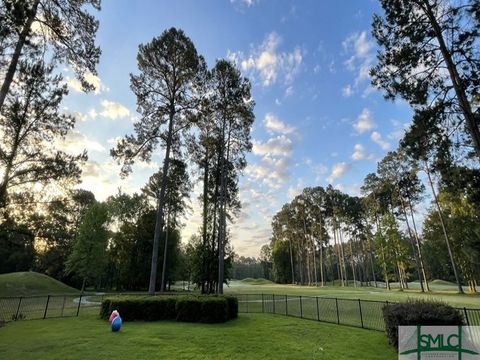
(46, 307)
(301, 307)
(247, 302)
(286, 305)
(466, 316)
(18, 307)
(360, 308)
(63, 305)
(79, 302)
(338, 315)
(263, 304)
(318, 312)
(273, 297)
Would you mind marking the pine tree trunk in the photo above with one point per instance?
(161, 200)
(445, 234)
(164, 267)
(419, 250)
(458, 86)
(412, 241)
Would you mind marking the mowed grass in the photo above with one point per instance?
(32, 283)
(441, 291)
(251, 336)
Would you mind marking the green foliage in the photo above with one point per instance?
(462, 221)
(17, 250)
(89, 256)
(281, 262)
(206, 309)
(418, 313)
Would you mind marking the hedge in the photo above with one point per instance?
(418, 312)
(201, 308)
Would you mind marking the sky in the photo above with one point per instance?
(318, 119)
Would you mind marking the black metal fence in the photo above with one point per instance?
(49, 306)
(365, 314)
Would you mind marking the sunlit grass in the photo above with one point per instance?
(251, 336)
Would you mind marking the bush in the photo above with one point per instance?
(418, 313)
(232, 307)
(214, 310)
(208, 309)
(188, 309)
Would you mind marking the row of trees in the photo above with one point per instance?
(209, 113)
(428, 57)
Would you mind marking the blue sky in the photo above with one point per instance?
(318, 120)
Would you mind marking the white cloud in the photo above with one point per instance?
(289, 91)
(92, 113)
(364, 122)
(277, 146)
(347, 91)
(90, 78)
(358, 152)
(274, 125)
(268, 63)
(75, 142)
(361, 55)
(114, 110)
(270, 171)
(377, 138)
(247, 3)
(338, 170)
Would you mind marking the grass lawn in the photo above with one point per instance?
(32, 283)
(251, 336)
(441, 290)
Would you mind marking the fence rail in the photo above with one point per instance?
(365, 314)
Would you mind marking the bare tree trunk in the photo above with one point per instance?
(412, 241)
(450, 253)
(352, 265)
(419, 250)
(12, 67)
(165, 249)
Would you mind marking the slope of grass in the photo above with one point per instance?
(253, 336)
(260, 281)
(31, 283)
(440, 292)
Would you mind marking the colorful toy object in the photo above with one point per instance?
(115, 320)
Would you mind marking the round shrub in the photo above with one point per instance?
(418, 312)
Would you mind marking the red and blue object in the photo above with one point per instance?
(115, 320)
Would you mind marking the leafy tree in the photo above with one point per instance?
(430, 58)
(178, 190)
(462, 218)
(56, 225)
(233, 108)
(64, 27)
(89, 256)
(17, 249)
(30, 121)
(165, 94)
